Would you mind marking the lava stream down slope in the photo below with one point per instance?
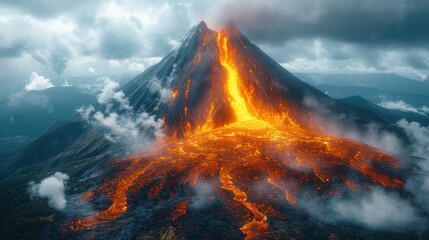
(260, 158)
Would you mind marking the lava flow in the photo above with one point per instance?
(255, 164)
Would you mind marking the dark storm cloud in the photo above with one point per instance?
(417, 61)
(378, 22)
(14, 49)
(56, 57)
(115, 44)
(59, 58)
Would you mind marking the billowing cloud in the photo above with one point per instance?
(419, 136)
(134, 130)
(110, 94)
(51, 188)
(37, 82)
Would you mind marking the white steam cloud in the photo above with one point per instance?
(372, 136)
(203, 192)
(165, 93)
(51, 188)
(419, 135)
(403, 106)
(123, 125)
(110, 94)
(375, 137)
(376, 210)
(37, 82)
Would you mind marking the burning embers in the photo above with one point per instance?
(255, 164)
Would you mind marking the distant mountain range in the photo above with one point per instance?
(26, 115)
(375, 95)
(387, 82)
(408, 98)
(389, 115)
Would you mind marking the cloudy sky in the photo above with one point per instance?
(46, 42)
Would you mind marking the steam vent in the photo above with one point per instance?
(242, 151)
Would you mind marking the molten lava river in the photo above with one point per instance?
(251, 162)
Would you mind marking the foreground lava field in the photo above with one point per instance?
(255, 163)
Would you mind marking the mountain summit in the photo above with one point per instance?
(188, 88)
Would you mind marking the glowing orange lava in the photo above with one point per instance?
(251, 162)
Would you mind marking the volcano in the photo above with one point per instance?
(243, 144)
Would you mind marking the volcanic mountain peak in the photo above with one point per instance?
(202, 26)
(187, 89)
(196, 74)
(196, 33)
(236, 119)
(201, 29)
